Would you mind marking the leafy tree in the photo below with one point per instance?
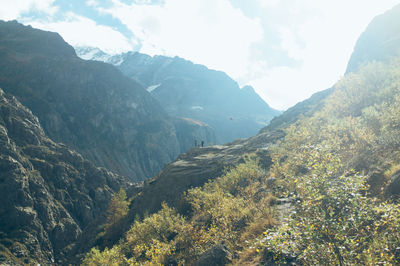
(117, 210)
(111, 257)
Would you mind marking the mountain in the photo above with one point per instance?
(90, 106)
(380, 41)
(326, 184)
(189, 90)
(287, 196)
(318, 186)
(49, 193)
(53, 194)
(191, 132)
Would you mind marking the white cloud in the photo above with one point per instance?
(318, 36)
(209, 32)
(322, 41)
(81, 31)
(283, 87)
(13, 9)
(268, 3)
(92, 3)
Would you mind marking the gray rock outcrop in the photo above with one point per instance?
(48, 192)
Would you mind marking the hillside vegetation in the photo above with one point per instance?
(330, 196)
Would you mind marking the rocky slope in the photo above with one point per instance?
(88, 105)
(194, 168)
(49, 193)
(189, 90)
(197, 166)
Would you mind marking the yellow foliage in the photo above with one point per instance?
(117, 210)
(224, 210)
(335, 222)
(319, 166)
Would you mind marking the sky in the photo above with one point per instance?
(286, 49)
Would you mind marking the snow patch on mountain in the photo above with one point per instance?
(197, 107)
(153, 87)
(92, 53)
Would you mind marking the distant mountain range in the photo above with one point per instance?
(189, 90)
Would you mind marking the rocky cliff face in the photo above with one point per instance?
(49, 193)
(193, 133)
(188, 90)
(379, 42)
(90, 106)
